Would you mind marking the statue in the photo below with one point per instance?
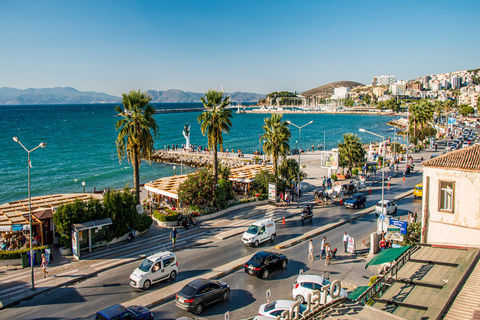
(186, 134)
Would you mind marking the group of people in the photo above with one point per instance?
(385, 244)
(13, 240)
(287, 196)
(326, 251)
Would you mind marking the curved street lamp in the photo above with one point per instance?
(41, 145)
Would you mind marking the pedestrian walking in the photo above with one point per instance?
(345, 241)
(322, 247)
(173, 236)
(44, 265)
(282, 203)
(382, 244)
(287, 198)
(327, 253)
(310, 250)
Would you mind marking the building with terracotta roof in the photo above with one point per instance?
(451, 198)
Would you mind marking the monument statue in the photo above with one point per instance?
(186, 134)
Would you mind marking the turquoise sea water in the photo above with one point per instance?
(81, 144)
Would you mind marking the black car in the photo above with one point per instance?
(263, 263)
(356, 200)
(201, 293)
(118, 311)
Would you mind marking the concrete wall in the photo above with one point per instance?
(462, 226)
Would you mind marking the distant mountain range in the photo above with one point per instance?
(68, 95)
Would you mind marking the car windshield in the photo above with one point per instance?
(253, 230)
(188, 290)
(146, 265)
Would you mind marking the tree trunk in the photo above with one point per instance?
(136, 174)
(215, 163)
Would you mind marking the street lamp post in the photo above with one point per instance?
(41, 145)
(83, 185)
(299, 131)
(383, 166)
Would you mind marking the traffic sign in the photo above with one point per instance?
(382, 216)
(227, 315)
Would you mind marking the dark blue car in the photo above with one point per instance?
(117, 312)
(356, 200)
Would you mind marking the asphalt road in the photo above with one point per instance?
(83, 299)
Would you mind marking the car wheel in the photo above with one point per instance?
(284, 264)
(198, 309)
(300, 299)
(173, 275)
(147, 284)
(265, 274)
(256, 243)
(272, 237)
(225, 296)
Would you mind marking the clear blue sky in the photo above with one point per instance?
(249, 46)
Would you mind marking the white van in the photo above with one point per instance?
(158, 267)
(260, 231)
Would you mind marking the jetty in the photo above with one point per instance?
(200, 159)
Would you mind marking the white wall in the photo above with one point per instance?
(462, 227)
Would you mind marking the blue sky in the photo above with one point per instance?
(248, 46)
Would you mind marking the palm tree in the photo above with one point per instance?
(351, 150)
(135, 140)
(214, 121)
(277, 134)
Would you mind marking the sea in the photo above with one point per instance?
(81, 144)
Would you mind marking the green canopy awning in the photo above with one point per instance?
(357, 293)
(387, 255)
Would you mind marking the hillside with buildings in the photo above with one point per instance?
(327, 90)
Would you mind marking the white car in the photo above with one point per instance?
(389, 207)
(275, 308)
(158, 267)
(305, 284)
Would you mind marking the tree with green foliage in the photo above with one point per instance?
(466, 110)
(349, 103)
(260, 184)
(350, 150)
(121, 207)
(277, 135)
(214, 122)
(198, 190)
(396, 147)
(367, 98)
(288, 171)
(414, 233)
(393, 105)
(135, 140)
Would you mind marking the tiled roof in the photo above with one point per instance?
(463, 159)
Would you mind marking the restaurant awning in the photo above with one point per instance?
(357, 293)
(387, 255)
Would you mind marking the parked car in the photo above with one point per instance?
(118, 311)
(158, 267)
(389, 207)
(275, 308)
(263, 263)
(201, 293)
(356, 200)
(306, 283)
(418, 190)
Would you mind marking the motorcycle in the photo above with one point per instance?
(192, 220)
(307, 214)
(186, 220)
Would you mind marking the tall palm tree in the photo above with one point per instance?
(351, 150)
(135, 140)
(277, 134)
(214, 121)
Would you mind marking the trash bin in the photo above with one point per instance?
(38, 257)
(25, 260)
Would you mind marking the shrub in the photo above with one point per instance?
(334, 177)
(165, 216)
(355, 171)
(198, 189)
(16, 254)
(144, 221)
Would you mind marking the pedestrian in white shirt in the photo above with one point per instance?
(345, 241)
(322, 247)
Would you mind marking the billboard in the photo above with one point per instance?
(329, 160)
(272, 192)
(401, 224)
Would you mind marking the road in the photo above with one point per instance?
(82, 299)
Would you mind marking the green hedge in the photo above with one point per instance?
(16, 254)
(161, 216)
(144, 221)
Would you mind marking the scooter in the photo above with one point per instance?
(307, 214)
(192, 220)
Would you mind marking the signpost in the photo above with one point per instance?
(401, 224)
(268, 295)
(272, 193)
(351, 245)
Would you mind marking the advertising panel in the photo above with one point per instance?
(272, 192)
(329, 160)
(401, 224)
